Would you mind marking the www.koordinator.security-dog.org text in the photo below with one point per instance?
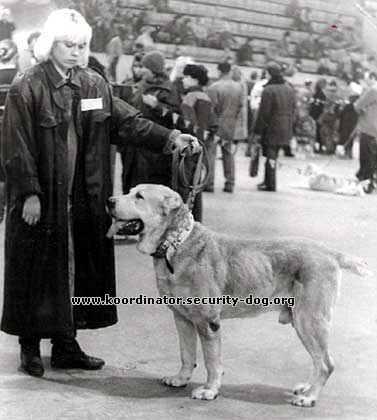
(178, 300)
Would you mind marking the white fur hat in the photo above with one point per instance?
(63, 25)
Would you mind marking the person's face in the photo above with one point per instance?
(137, 69)
(145, 73)
(67, 54)
(188, 82)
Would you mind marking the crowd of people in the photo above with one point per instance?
(121, 30)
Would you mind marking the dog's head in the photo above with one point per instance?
(153, 208)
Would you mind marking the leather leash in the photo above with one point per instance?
(179, 169)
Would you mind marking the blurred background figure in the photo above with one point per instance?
(114, 50)
(244, 54)
(176, 74)
(241, 128)
(348, 119)
(227, 98)
(366, 107)
(197, 108)
(26, 58)
(328, 120)
(7, 26)
(274, 125)
(316, 108)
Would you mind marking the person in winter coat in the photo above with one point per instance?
(317, 106)
(329, 119)
(274, 125)
(227, 98)
(348, 120)
(59, 121)
(156, 98)
(366, 107)
(197, 109)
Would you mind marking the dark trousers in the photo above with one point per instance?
(228, 164)
(113, 69)
(368, 157)
(30, 340)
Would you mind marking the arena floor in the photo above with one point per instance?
(262, 359)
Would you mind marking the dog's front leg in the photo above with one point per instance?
(210, 338)
(187, 342)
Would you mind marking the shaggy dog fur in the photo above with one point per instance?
(202, 263)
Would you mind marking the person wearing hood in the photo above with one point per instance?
(274, 125)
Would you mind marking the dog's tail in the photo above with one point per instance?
(355, 264)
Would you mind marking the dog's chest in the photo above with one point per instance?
(165, 280)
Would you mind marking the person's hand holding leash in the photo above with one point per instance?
(186, 139)
(150, 100)
(31, 212)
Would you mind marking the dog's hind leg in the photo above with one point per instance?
(187, 342)
(312, 319)
(209, 333)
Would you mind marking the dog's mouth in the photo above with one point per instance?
(128, 227)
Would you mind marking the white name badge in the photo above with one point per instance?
(91, 104)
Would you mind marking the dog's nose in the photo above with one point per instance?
(111, 203)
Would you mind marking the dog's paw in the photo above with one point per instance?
(301, 388)
(202, 393)
(303, 401)
(175, 381)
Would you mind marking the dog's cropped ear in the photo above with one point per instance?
(171, 202)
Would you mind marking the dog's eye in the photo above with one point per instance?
(139, 196)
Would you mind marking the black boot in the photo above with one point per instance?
(31, 362)
(370, 188)
(269, 183)
(67, 354)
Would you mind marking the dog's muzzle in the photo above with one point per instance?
(128, 227)
(132, 227)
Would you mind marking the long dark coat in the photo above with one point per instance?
(34, 155)
(276, 114)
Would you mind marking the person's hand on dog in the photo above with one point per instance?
(186, 139)
(31, 212)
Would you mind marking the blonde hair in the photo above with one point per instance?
(63, 25)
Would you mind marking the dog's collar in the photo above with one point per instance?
(169, 246)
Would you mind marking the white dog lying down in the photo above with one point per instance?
(192, 261)
(320, 181)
